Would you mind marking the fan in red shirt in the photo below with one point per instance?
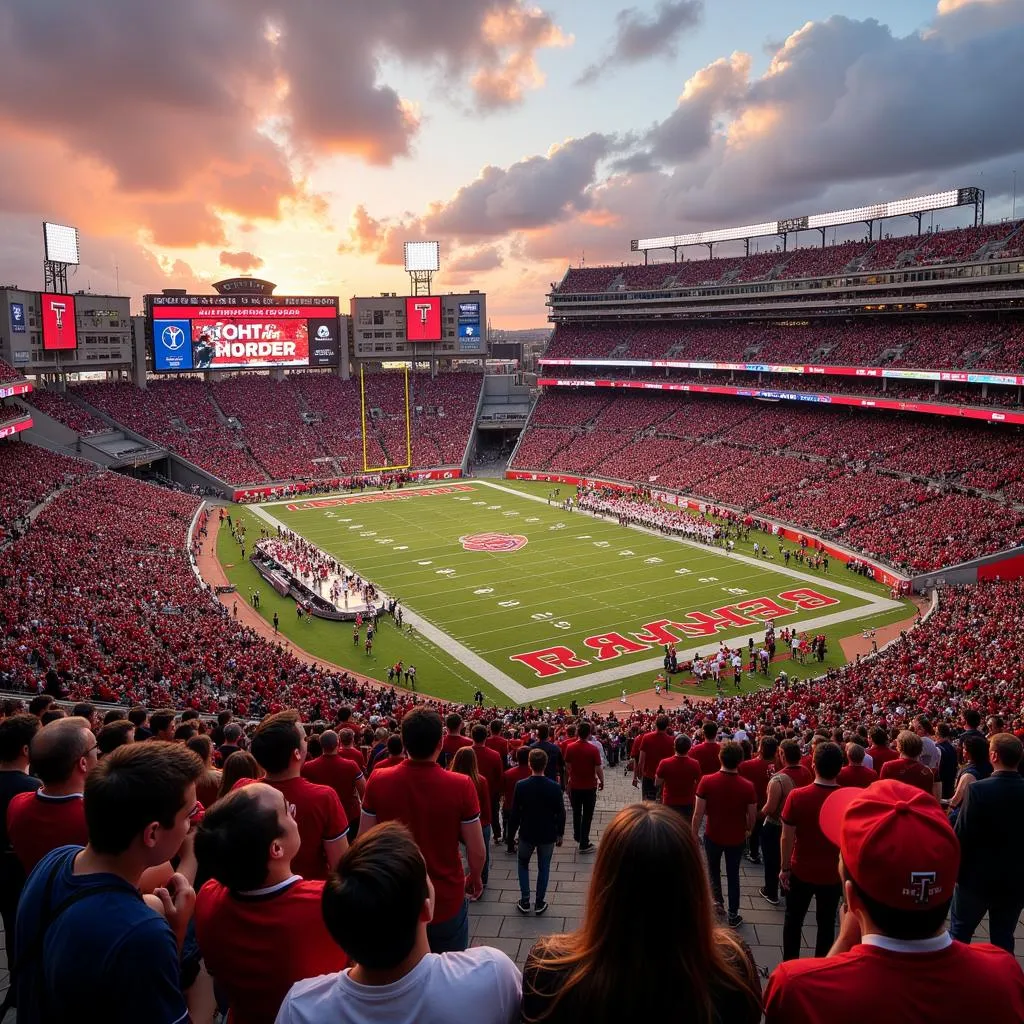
(491, 767)
(899, 867)
(586, 777)
(62, 753)
(498, 743)
(730, 804)
(279, 745)
(907, 768)
(654, 748)
(880, 751)
(508, 788)
(706, 754)
(342, 774)
(348, 749)
(453, 740)
(759, 771)
(258, 924)
(677, 776)
(854, 773)
(441, 809)
(810, 862)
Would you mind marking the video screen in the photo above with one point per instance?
(423, 318)
(60, 332)
(231, 333)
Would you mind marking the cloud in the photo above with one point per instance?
(475, 261)
(640, 36)
(242, 261)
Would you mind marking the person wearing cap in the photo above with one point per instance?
(990, 828)
(898, 861)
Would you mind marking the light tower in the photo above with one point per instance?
(422, 260)
(60, 251)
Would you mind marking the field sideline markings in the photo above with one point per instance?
(524, 694)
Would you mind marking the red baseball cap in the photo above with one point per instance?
(896, 843)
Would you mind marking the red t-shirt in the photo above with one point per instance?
(450, 745)
(509, 780)
(879, 755)
(857, 775)
(799, 774)
(320, 817)
(389, 762)
(727, 796)
(500, 746)
(490, 766)
(655, 747)
(913, 773)
(815, 859)
(964, 982)
(353, 754)
(706, 755)
(434, 805)
(257, 945)
(341, 774)
(758, 771)
(37, 824)
(680, 774)
(582, 759)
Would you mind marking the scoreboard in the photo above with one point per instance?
(403, 326)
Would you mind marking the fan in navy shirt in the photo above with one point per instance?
(16, 734)
(87, 945)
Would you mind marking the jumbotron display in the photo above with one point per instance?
(228, 332)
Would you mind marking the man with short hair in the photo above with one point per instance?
(655, 746)
(85, 709)
(990, 827)
(453, 740)
(342, 774)
(378, 909)
(491, 767)
(908, 768)
(62, 754)
(86, 940)
(258, 923)
(706, 753)
(538, 812)
(880, 751)
(347, 748)
(498, 743)
(898, 864)
(809, 861)
(279, 746)
(163, 723)
(586, 777)
(395, 754)
(677, 777)
(232, 741)
(929, 748)
(114, 735)
(729, 802)
(16, 734)
(508, 786)
(854, 773)
(442, 810)
(759, 771)
(555, 763)
(139, 717)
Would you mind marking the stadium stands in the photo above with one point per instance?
(61, 408)
(28, 474)
(715, 448)
(955, 246)
(8, 373)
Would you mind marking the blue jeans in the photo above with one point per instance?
(733, 854)
(544, 854)
(451, 936)
(970, 906)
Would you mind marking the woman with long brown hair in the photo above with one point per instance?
(240, 765)
(464, 762)
(648, 947)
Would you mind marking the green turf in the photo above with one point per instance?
(576, 577)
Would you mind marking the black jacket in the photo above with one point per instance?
(990, 827)
(538, 810)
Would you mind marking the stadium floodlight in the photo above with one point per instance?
(422, 257)
(61, 243)
(879, 211)
(704, 237)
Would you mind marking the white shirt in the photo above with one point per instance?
(930, 756)
(440, 989)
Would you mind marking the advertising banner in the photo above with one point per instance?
(423, 318)
(18, 317)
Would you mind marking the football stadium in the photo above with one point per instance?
(322, 616)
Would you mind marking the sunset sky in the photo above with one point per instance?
(304, 141)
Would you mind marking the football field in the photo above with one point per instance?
(533, 602)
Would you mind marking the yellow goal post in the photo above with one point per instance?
(408, 424)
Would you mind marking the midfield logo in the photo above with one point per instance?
(493, 541)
